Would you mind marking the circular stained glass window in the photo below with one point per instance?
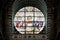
(29, 20)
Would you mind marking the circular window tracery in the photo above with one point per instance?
(29, 20)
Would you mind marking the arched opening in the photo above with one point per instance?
(39, 5)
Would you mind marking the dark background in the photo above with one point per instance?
(53, 12)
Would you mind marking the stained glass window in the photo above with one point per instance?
(29, 20)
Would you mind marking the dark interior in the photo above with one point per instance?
(50, 8)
